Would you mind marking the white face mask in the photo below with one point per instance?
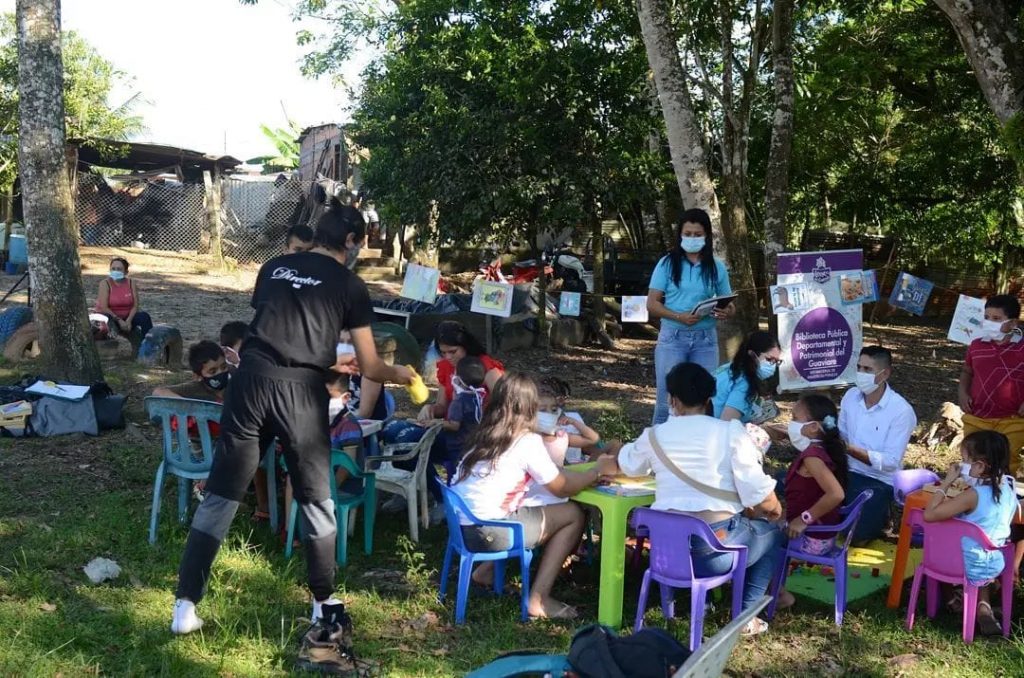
(336, 406)
(548, 421)
(796, 436)
(344, 348)
(965, 473)
(866, 383)
(992, 330)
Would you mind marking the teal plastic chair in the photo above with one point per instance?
(343, 504)
(179, 459)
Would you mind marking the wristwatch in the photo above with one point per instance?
(807, 518)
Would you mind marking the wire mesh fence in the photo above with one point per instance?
(169, 214)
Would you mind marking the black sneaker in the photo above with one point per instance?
(327, 646)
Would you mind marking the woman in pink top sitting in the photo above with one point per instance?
(118, 299)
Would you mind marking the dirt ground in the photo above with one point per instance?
(185, 291)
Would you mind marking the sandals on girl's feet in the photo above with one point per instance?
(988, 625)
(754, 627)
(955, 604)
(563, 611)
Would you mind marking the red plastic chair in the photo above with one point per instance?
(672, 567)
(944, 562)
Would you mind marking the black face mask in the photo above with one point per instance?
(217, 382)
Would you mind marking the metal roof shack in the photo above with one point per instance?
(144, 158)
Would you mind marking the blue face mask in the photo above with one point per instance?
(692, 245)
(765, 369)
(117, 276)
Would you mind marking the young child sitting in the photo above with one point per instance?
(552, 416)
(560, 433)
(298, 239)
(816, 478)
(209, 375)
(232, 335)
(467, 407)
(990, 502)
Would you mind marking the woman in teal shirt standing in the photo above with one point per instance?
(740, 384)
(684, 277)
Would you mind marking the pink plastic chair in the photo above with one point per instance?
(943, 561)
(672, 567)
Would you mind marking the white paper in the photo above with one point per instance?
(569, 303)
(63, 391)
(966, 325)
(492, 298)
(790, 298)
(634, 309)
(420, 283)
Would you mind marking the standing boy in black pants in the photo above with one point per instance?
(302, 301)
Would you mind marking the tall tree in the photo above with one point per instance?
(54, 267)
(776, 193)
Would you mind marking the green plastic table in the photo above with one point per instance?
(614, 514)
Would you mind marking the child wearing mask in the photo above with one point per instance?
(990, 503)
(816, 478)
(552, 415)
(232, 335)
(209, 375)
(992, 379)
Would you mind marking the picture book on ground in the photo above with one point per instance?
(569, 303)
(911, 293)
(492, 298)
(420, 283)
(634, 309)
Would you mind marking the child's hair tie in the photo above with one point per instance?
(829, 423)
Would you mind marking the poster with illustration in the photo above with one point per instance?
(966, 325)
(492, 298)
(420, 283)
(569, 303)
(911, 293)
(852, 288)
(870, 281)
(790, 298)
(634, 309)
(821, 342)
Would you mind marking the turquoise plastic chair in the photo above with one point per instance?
(177, 449)
(343, 504)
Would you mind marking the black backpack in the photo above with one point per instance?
(598, 652)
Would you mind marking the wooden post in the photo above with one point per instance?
(211, 197)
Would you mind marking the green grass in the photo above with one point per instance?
(66, 501)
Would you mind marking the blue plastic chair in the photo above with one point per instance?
(453, 508)
(343, 504)
(671, 535)
(178, 457)
(835, 558)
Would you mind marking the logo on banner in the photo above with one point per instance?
(821, 273)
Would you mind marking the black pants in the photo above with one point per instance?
(263, 402)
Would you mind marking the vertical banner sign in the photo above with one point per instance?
(821, 341)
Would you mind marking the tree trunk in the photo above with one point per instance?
(776, 194)
(212, 203)
(666, 229)
(60, 304)
(990, 39)
(597, 306)
(685, 141)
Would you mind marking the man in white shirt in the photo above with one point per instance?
(876, 423)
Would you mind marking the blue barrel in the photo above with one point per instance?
(17, 250)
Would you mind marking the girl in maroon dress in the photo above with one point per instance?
(815, 481)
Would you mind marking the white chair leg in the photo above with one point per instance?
(410, 503)
(424, 511)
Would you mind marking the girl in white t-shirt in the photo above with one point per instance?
(504, 459)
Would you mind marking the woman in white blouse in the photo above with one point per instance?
(725, 484)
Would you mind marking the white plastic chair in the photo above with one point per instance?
(411, 485)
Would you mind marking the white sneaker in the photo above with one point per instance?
(185, 619)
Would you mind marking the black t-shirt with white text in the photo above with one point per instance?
(303, 301)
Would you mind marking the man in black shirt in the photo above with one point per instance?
(302, 301)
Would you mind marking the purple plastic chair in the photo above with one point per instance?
(835, 558)
(910, 480)
(943, 561)
(672, 567)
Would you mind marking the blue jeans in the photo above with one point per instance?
(680, 346)
(875, 515)
(763, 541)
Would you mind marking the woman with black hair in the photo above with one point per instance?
(684, 277)
(454, 342)
(710, 469)
(741, 383)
